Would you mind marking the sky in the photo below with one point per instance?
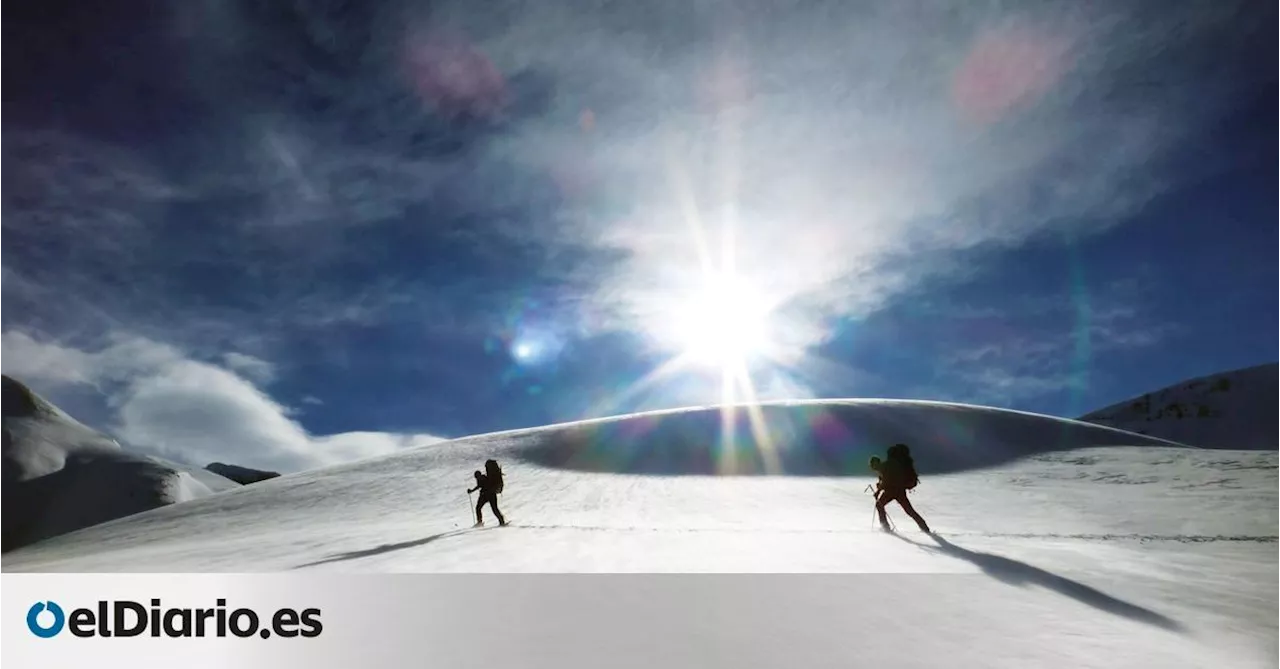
(286, 235)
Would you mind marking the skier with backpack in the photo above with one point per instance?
(490, 486)
(897, 476)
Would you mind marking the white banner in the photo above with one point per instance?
(189, 621)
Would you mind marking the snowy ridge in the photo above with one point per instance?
(60, 475)
(1238, 409)
(575, 475)
(806, 438)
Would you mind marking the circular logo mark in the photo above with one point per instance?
(33, 619)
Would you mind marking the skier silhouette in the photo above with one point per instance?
(489, 486)
(897, 475)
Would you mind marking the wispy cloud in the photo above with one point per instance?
(842, 155)
(189, 410)
(1033, 348)
(26, 358)
(249, 366)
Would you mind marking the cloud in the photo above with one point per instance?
(255, 368)
(189, 410)
(298, 163)
(1035, 347)
(24, 358)
(840, 157)
(591, 161)
(79, 204)
(205, 413)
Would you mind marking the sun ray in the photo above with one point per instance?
(683, 194)
(728, 462)
(663, 371)
(759, 427)
(810, 369)
(722, 324)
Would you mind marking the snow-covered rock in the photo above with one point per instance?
(1239, 409)
(59, 475)
(241, 475)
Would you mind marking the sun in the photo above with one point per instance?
(723, 323)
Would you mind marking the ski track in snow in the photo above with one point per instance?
(1140, 538)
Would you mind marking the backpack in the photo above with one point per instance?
(494, 475)
(900, 454)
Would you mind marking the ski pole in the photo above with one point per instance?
(471, 507)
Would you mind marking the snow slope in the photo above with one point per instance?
(1059, 543)
(59, 475)
(1238, 409)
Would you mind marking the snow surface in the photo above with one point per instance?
(1059, 543)
(1235, 410)
(60, 475)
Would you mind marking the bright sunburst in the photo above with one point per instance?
(716, 320)
(723, 324)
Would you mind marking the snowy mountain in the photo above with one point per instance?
(1239, 409)
(1059, 543)
(60, 475)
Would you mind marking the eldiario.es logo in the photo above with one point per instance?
(124, 618)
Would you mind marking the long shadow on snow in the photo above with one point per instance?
(810, 439)
(1020, 574)
(384, 548)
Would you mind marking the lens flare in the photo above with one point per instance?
(723, 324)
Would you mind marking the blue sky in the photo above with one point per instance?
(287, 236)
